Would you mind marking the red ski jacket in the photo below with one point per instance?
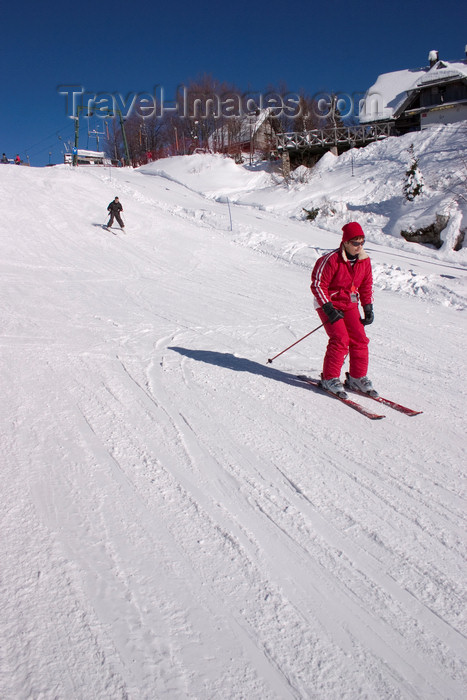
(335, 279)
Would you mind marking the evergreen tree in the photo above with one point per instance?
(414, 179)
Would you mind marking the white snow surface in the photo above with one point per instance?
(180, 518)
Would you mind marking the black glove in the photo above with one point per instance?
(369, 315)
(332, 313)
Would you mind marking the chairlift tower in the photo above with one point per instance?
(94, 133)
(125, 142)
(79, 109)
(111, 115)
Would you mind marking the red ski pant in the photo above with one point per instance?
(346, 337)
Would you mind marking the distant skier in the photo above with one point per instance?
(17, 159)
(115, 208)
(339, 281)
(4, 158)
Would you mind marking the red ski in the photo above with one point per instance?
(385, 402)
(353, 404)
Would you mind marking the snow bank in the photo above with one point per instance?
(211, 174)
(363, 184)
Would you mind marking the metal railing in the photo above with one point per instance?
(334, 136)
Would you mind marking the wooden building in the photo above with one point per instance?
(414, 99)
(248, 134)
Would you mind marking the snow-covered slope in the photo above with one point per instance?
(181, 519)
(366, 184)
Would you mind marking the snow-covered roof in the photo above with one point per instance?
(385, 98)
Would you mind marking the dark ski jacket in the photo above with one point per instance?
(115, 207)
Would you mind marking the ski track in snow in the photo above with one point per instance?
(181, 520)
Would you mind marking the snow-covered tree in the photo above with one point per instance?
(414, 182)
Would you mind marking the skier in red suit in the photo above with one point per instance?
(339, 281)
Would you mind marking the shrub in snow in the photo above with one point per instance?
(302, 174)
(311, 214)
(333, 208)
(414, 179)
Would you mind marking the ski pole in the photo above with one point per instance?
(297, 341)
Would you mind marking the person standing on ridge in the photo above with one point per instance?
(115, 208)
(339, 281)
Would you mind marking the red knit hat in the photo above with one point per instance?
(352, 230)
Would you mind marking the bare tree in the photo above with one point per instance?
(308, 117)
(144, 138)
(210, 106)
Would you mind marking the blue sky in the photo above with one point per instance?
(124, 47)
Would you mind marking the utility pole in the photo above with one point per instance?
(125, 142)
(111, 115)
(75, 149)
(79, 108)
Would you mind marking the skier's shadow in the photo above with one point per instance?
(240, 364)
